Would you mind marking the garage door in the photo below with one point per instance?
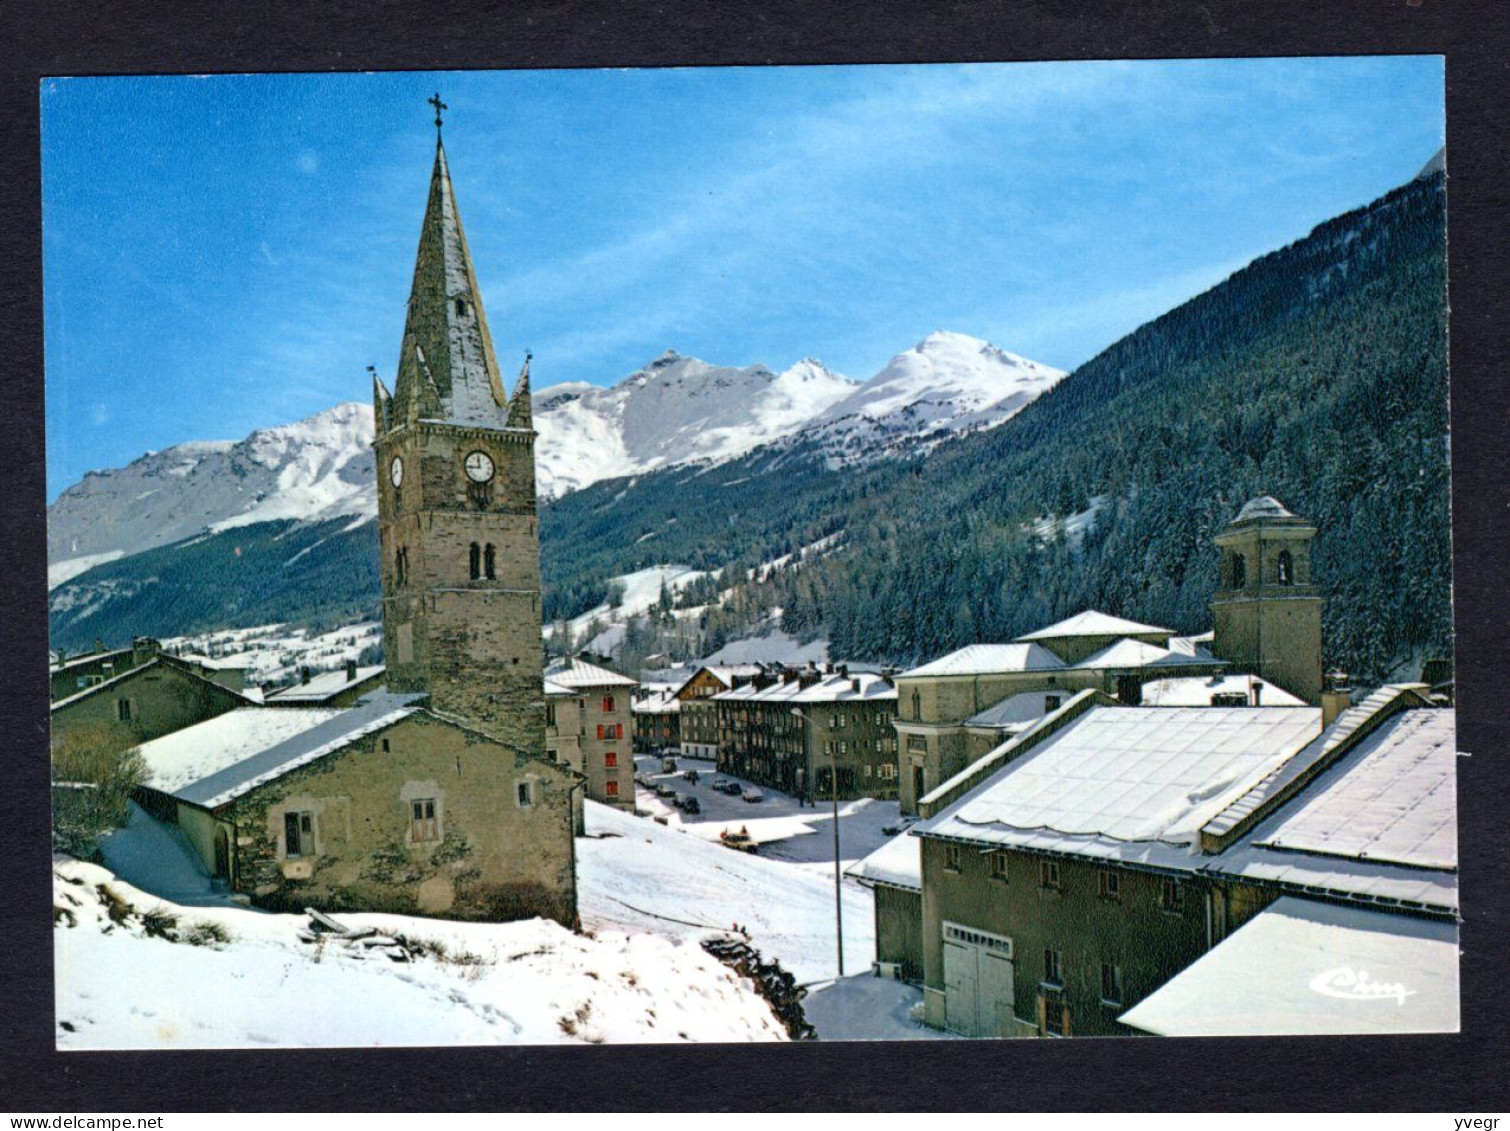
(977, 982)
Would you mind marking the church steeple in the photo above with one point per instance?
(447, 369)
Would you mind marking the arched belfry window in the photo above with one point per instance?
(1239, 571)
(917, 706)
(1286, 568)
(474, 556)
(401, 566)
(489, 563)
(461, 308)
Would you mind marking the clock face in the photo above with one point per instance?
(396, 471)
(479, 467)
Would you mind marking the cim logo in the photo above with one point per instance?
(1354, 985)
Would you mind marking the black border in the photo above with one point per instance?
(1400, 1073)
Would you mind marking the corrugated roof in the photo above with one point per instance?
(1094, 623)
(1296, 968)
(1126, 774)
(990, 659)
(219, 760)
(572, 672)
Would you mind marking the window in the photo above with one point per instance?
(611, 789)
(422, 823)
(1053, 967)
(123, 710)
(953, 858)
(1239, 571)
(298, 834)
(401, 565)
(611, 760)
(1172, 896)
(550, 714)
(1111, 984)
(385, 746)
(999, 867)
(608, 705)
(474, 561)
(1286, 568)
(888, 771)
(525, 792)
(461, 308)
(489, 563)
(80, 681)
(1051, 703)
(1108, 884)
(1048, 874)
(917, 706)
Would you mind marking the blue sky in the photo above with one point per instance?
(224, 253)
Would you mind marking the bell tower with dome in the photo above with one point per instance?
(456, 500)
(1266, 613)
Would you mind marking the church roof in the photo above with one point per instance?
(990, 659)
(1128, 653)
(1265, 506)
(447, 369)
(1093, 623)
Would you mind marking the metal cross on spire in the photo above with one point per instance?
(435, 101)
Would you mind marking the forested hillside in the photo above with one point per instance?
(1317, 374)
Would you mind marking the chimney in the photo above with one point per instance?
(351, 671)
(304, 673)
(1336, 696)
(843, 670)
(1256, 690)
(854, 685)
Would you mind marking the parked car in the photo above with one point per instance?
(689, 805)
(752, 794)
(690, 775)
(900, 826)
(732, 788)
(668, 765)
(641, 779)
(740, 840)
(664, 790)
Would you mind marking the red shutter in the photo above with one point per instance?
(600, 730)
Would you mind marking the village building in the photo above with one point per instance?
(382, 806)
(1079, 868)
(154, 695)
(340, 688)
(699, 715)
(588, 728)
(424, 786)
(811, 732)
(657, 715)
(1266, 623)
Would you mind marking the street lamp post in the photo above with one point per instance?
(833, 786)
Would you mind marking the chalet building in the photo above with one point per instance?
(424, 787)
(1067, 879)
(804, 730)
(588, 728)
(699, 716)
(340, 688)
(657, 714)
(153, 695)
(1267, 623)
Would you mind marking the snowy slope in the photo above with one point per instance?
(675, 410)
(317, 468)
(530, 982)
(946, 383)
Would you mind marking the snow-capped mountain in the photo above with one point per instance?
(945, 384)
(315, 469)
(675, 410)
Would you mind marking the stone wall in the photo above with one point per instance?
(162, 700)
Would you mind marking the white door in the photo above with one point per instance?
(960, 988)
(995, 980)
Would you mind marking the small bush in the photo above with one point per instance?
(94, 771)
(206, 933)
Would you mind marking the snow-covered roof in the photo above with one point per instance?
(898, 863)
(834, 688)
(221, 663)
(1129, 653)
(1093, 623)
(214, 762)
(129, 673)
(573, 673)
(1127, 775)
(90, 658)
(1015, 710)
(1265, 506)
(659, 702)
(990, 659)
(325, 685)
(1198, 645)
(1308, 968)
(1197, 691)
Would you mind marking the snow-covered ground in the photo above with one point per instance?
(862, 1007)
(530, 982)
(642, 589)
(273, 653)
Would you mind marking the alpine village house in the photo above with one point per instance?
(425, 786)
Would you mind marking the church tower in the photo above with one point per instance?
(1266, 613)
(456, 501)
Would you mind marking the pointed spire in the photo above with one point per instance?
(447, 368)
(521, 414)
(382, 401)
